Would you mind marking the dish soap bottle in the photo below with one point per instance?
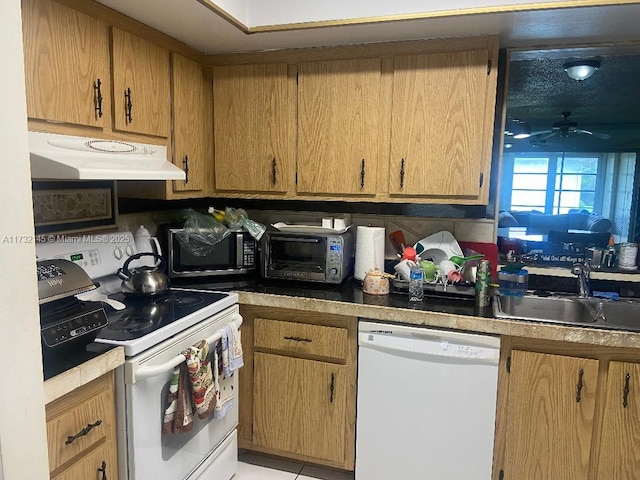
(610, 255)
(416, 278)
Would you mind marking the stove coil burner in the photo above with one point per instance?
(182, 300)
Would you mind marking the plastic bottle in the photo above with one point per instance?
(416, 289)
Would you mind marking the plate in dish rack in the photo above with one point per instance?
(283, 227)
(439, 246)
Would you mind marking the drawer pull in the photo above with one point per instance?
(298, 339)
(97, 86)
(82, 432)
(625, 392)
(579, 386)
(103, 469)
(332, 387)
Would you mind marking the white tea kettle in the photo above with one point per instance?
(145, 243)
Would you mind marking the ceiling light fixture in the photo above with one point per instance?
(521, 130)
(580, 70)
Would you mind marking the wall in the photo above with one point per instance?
(22, 417)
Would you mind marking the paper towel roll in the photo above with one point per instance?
(369, 250)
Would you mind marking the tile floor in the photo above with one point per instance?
(258, 467)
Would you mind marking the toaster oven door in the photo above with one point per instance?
(297, 257)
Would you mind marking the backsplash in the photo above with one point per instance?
(414, 228)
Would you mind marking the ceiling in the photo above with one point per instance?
(199, 27)
(539, 90)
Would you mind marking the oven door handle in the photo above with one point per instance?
(140, 373)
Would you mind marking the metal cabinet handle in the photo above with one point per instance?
(274, 171)
(579, 385)
(362, 175)
(332, 387)
(97, 86)
(298, 339)
(82, 432)
(402, 173)
(185, 167)
(103, 469)
(625, 392)
(128, 105)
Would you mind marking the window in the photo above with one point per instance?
(551, 182)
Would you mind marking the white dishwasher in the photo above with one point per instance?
(426, 403)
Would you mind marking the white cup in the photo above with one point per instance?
(403, 269)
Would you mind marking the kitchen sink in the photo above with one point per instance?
(588, 312)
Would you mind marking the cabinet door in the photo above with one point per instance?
(438, 125)
(253, 132)
(140, 85)
(300, 406)
(618, 455)
(550, 416)
(338, 126)
(66, 56)
(192, 137)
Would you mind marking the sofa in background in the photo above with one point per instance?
(543, 223)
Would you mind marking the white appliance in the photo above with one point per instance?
(154, 331)
(79, 158)
(426, 403)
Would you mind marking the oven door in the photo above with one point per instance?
(296, 257)
(144, 452)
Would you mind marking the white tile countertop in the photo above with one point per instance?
(80, 375)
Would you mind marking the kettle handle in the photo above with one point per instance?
(159, 266)
(155, 245)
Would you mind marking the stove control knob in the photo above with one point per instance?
(129, 250)
(117, 253)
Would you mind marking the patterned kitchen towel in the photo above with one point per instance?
(223, 382)
(202, 387)
(234, 349)
(178, 414)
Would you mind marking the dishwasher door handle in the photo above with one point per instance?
(441, 349)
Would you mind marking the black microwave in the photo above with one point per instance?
(235, 254)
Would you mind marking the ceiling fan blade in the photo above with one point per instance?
(602, 136)
(545, 137)
(584, 132)
(540, 132)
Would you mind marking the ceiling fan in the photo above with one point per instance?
(564, 128)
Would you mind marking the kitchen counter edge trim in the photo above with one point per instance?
(58, 386)
(493, 326)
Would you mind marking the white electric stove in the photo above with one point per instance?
(154, 331)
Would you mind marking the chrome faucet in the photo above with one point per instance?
(582, 270)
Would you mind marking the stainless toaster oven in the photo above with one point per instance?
(312, 257)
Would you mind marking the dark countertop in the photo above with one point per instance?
(349, 291)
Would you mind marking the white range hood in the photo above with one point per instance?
(64, 157)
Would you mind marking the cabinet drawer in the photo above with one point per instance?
(90, 467)
(301, 338)
(72, 422)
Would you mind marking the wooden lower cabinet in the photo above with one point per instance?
(619, 456)
(298, 387)
(574, 415)
(81, 433)
(551, 417)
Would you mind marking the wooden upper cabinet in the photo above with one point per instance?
(338, 126)
(618, 452)
(550, 416)
(441, 124)
(66, 57)
(140, 85)
(192, 135)
(254, 128)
